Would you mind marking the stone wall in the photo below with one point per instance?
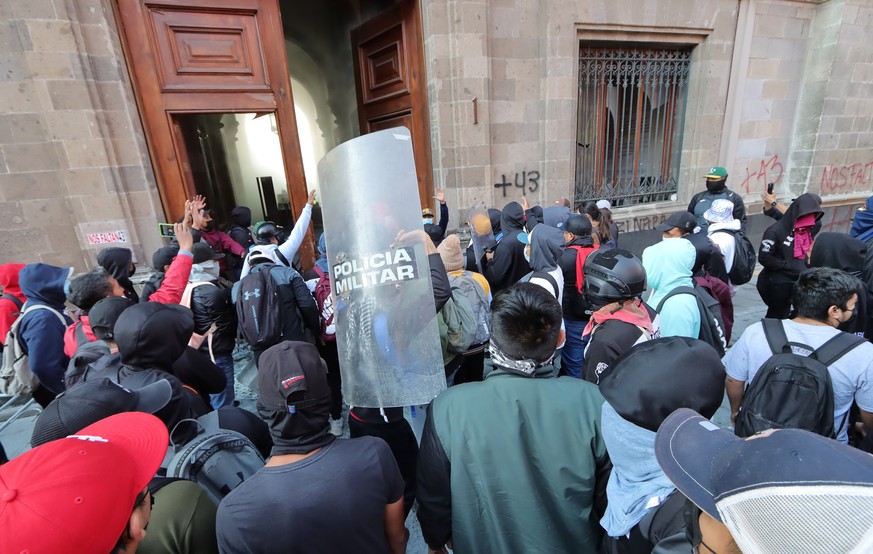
(73, 159)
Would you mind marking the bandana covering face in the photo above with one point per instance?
(632, 312)
(502, 360)
(803, 235)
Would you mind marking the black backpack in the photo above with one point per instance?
(711, 321)
(259, 309)
(745, 258)
(792, 391)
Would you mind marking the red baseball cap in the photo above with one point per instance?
(76, 494)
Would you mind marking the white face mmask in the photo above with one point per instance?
(210, 268)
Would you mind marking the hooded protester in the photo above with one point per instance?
(848, 254)
(862, 229)
(12, 299)
(533, 217)
(556, 216)
(668, 266)
(507, 264)
(240, 231)
(577, 310)
(647, 384)
(348, 493)
(118, 263)
(783, 253)
(614, 285)
(543, 248)
(41, 331)
(214, 317)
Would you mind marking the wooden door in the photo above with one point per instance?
(390, 82)
(208, 56)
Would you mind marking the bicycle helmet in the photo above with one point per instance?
(266, 231)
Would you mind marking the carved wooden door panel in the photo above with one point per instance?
(390, 82)
(207, 56)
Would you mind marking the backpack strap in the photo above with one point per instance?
(81, 337)
(674, 292)
(14, 299)
(547, 277)
(35, 307)
(837, 347)
(319, 271)
(774, 331)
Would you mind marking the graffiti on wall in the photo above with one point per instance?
(642, 223)
(526, 181)
(839, 218)
(846, 178)
(758, 176)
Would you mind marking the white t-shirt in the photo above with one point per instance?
(851, 375)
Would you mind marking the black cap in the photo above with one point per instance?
(292, 376)
(203, 253)
(578, 225)
(164, 256)
(90, 401)
(103, 315)
(657, 377)
(684, 221)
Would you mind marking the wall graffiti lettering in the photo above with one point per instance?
(757, 177)
(857, 176)
(643, 223)
(529, 180)
(839, 218)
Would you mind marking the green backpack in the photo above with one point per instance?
(457, 324)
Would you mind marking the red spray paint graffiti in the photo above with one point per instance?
(757, 178)
(855, 177)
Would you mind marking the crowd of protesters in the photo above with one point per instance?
(577, 416)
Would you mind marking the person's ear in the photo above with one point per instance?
(136, 530)
(166, 268)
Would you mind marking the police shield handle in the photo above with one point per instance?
(386, 329)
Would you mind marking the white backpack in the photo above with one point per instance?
(16, 376)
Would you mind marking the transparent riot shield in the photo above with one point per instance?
(386, 327)
(481, 234)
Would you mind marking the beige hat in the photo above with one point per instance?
(451, 254)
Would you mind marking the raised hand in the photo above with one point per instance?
(440, 196)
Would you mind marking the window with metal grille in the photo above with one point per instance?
(629, 131)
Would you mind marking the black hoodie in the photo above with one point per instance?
(508, 264)
(239, 231)
(776, 253)
(493, 215)
(842, 252)
(116, 262)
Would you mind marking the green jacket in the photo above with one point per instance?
(514, 464)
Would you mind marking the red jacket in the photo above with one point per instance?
(170, 292)
(221, 243)
(8, 309)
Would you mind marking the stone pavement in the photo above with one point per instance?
(748, 309)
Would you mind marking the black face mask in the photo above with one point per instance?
(715, 186)
(210, 225)
(853, 316)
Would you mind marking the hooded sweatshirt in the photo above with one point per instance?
(845, 253)
(668, 266)
(494, 216)
(8, 309)
(508, 264)
(116, 262)
(321, 262)
(862, 224)
(776, 253)
(41, 332)
(241, 216)
(546, 247)
(724, 240)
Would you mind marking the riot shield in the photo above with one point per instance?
(386, 327)
(481, 234)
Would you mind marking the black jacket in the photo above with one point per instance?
(299, 310)
(152, 285)
(437, 231)
(709, 257)
(701, 202)
(211, 304)
(611, 339)
(776, 252)
(508, 264)
(116, 262)
(575, 306)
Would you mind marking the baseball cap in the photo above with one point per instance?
(426, 212)
(93, 400)
(75, 494)
(720, 211)
(652, 379)
(523, 237)
(717, 172)
(603, 205)
(164, 256)
(203, 253)
(787, 491)
(103, 315)
(292, 376)
(685, 221)
(578, 225)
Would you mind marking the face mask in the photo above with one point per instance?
(715, 186)
(853, 316)
(210, 268)
(210, 225)
(527, 253)
(426, 221)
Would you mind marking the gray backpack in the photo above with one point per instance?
(16, 377)
(478, 301)
(216, 459)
